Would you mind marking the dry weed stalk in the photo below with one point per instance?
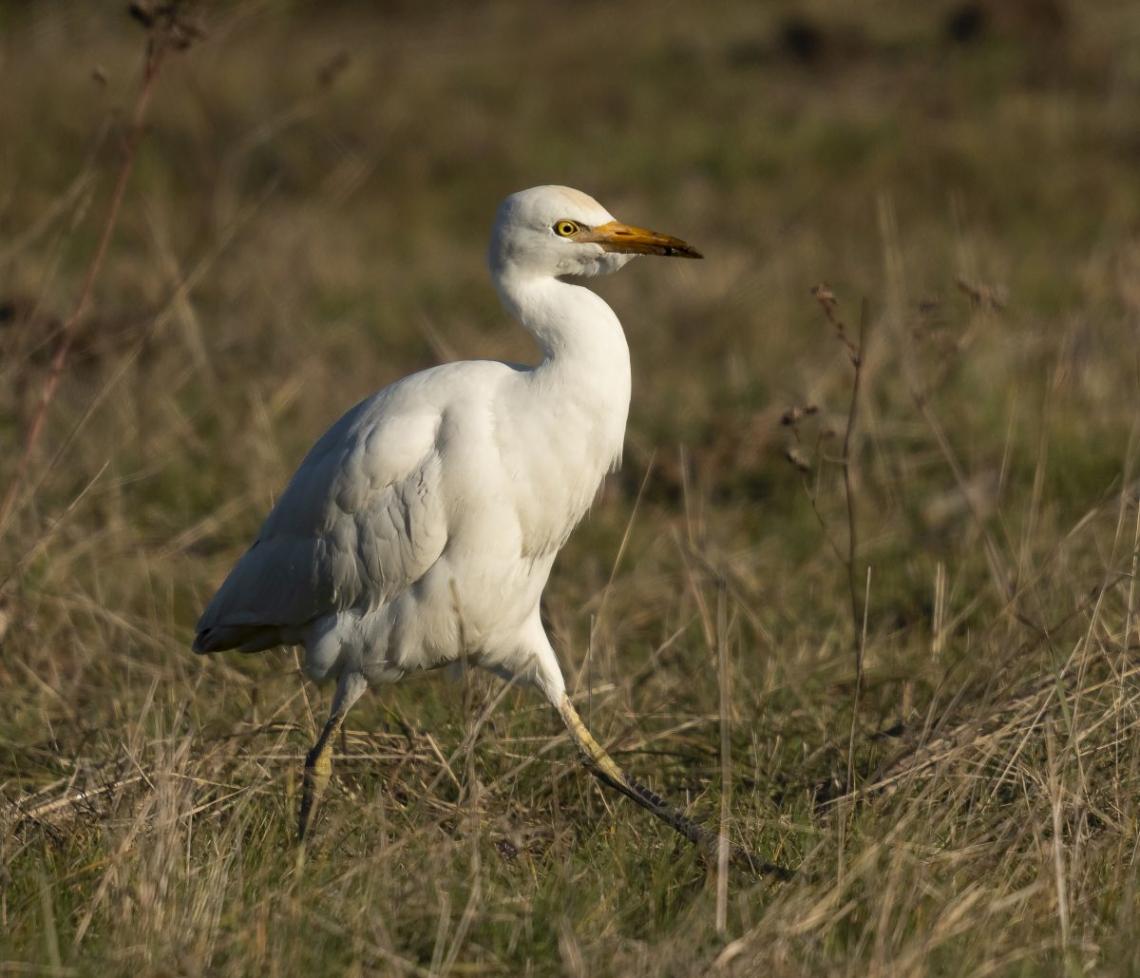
(725, 690)
(791, 419)
(856, 353)
(168, 28)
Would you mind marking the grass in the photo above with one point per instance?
(288, 245)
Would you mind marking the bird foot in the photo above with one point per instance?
(318, 772)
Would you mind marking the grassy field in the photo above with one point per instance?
(306, 221)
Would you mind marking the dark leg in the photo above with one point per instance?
(318, 765)
(603, 767)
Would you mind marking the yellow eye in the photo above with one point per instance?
(565, 229)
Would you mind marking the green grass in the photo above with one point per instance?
(331, 240)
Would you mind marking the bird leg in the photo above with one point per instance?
(603, 767)
(318, 764)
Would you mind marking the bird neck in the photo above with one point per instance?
(578, 333)
(585, 370)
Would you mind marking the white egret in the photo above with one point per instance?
(421, 528)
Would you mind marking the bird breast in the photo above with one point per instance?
(557, 454)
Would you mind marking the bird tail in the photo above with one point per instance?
(244, 638)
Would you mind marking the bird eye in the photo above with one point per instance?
(566, 228)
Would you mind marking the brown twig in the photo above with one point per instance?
(166, 29)
(860, 645)
(723, 849)
(829, 304)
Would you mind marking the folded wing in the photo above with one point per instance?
(361, 520)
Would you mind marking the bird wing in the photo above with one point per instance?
(362, 518)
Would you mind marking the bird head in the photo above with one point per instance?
(561, 232)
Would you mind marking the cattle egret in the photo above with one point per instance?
(421, 529)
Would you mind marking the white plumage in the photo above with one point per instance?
(423, 525)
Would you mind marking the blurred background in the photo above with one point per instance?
(937, 721)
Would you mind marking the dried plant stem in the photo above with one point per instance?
(156, 51)
(1055, 806)
(849, 490)
(861, 643)
(856, 352)
(723, 848)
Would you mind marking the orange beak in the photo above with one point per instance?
(624, 238)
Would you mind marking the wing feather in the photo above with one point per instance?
(362, 518)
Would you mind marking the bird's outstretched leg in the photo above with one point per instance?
(318, 765)
(603, 767)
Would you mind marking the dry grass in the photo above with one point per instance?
(302, 228)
